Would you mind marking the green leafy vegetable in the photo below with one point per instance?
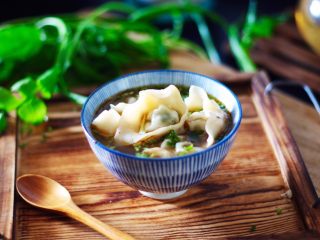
(26, 87)
(138, 147)
(206, 38)
(8, 102)
(241, 54)
(6, 68)
(189, 148)
(173, 138)
(178, 21)
(142, 155)
(254, 27)
(33, 111)
(19, 41)
(47, 56)
(47, 82)
(3, 121)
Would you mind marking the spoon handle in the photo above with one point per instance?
(106, 230)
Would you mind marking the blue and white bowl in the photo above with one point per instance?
(161, 178)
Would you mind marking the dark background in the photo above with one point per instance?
(232, 10)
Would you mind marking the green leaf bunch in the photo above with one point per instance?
(42, 57)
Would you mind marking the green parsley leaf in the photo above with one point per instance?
(6, 68)
(19, 41)
(26, 87)
(142, 155)
(33, 111)
(8, 101)
(47, 82)
(189, 148)
(3, 121)
(138, 147)
(173, 138)
(183, 153)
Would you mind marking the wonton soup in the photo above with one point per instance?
(161, 122)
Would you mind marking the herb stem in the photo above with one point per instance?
(241, 55)
(3, 121)
(107, 7)
(178, 22)
(206, 38)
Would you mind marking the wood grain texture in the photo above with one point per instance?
(243, 193)
(7, 178)
(304, 123)
(288, 155)
(182, 60)
(287, 55)
(290, 31)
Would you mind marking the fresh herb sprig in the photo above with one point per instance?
(187, 150)
(173, 138)
(43, 57)
(242, 36)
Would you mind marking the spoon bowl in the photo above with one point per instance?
(43, 192)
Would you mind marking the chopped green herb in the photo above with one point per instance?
(221, 105)
(184, 96)
(173, 138)
(142, 155)
(183, 153)
(138, 147)
(189, 148)
(279, 211)
(253, 228)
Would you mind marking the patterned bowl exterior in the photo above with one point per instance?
(161, 175)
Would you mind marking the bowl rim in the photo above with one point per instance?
(133, 157)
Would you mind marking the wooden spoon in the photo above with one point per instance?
(46, 193)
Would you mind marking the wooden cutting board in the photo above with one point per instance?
(248, 196)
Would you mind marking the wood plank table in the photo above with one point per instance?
(242, 202)
(304, 123)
